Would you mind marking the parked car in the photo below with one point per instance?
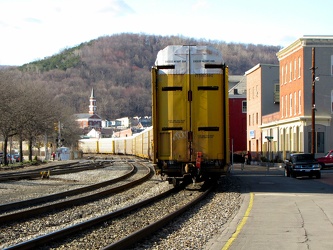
(15, 157)
(302, 165)
(327, 160)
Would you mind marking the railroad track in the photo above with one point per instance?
(57, 169)
(151, 228)
(143, 176)
(14, 216)
(108, 221)
(66, 201)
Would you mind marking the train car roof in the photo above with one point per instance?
(197, 56)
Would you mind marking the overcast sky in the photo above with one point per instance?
(34, 29)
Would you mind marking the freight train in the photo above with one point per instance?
(190, 132)
(139, 144)
(190, 112)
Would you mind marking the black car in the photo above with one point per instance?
(302, 165)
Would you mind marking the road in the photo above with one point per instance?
(280, 212)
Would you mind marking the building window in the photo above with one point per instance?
(244, 106)
(299, 102)
(295, 103)
(295, 69)
(257, 121)
(282, 110)
(299, 67)
(291, 104)
(286, 105)
(286, 74)
(282, 75)
(249, 120)
(291, 72)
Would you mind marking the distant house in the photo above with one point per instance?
(107, 132)
(89, 120)
(94, 133)
(122, 133)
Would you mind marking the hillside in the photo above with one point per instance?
(118, 68)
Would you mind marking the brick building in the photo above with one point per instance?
(262, 99)
(237, 114)
(292, 125)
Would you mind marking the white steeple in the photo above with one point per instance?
(92, 105)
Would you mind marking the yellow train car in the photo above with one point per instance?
(139, 144)
(143, 143)
(129, 145)
(89, 146)
(120, 145)
(106, 146)
(190, 112)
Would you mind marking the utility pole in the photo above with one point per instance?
(313, 127)
(59, 133)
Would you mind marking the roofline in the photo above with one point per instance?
(306, 41)
(259, 65)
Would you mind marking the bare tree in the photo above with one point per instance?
(9, 107)
(29, 111)
(39, 112)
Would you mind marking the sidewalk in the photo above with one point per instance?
(278, 212)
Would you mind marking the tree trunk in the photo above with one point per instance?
(5, 158)
(30, 149)
(21, 149)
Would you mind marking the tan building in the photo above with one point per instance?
(293, 123)
(262, 99)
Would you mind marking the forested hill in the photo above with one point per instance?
(118, 68)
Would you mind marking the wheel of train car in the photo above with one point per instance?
(187, 179)
(175, 182)
(163, 177)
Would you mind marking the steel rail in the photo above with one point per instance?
(62, 233)
(123, 243)
(57, 196)
(72, 202)
(64, 169)
(153, 227)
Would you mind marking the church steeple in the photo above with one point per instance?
(92, 105)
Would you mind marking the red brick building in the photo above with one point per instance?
(237, 116)
(293, 126)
